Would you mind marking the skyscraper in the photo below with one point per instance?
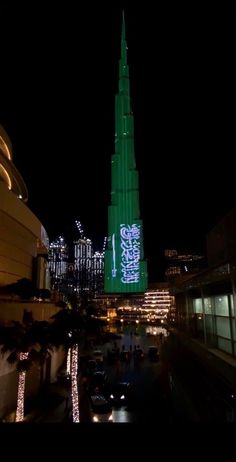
(58, 261)
(125, 267)
(83, 253)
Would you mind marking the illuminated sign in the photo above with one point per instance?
(130, 253)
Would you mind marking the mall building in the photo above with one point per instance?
(23, 256)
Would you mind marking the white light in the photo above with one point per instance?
(122, 397)
(95, 419)
(74, 384)
(130, 239)
(21, 392)
(20, 196)
(68, 362)
(112, 397)
(110, 418)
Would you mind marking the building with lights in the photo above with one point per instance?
(182, 264)
(158, 302)
(83, 257)
(125, 267)
(24, 249)
(88, 265)
(58, 262)
(98, 273)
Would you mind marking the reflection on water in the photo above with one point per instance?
(138, 330)
(155, 330)
(121, 415)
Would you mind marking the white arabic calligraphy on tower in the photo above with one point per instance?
(130, 253)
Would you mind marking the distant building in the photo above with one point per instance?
(98, 273)
(158, 301)
(125, 265)
(83, 252)
(182, 264)
(58, 261)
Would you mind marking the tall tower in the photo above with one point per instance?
(125, 267)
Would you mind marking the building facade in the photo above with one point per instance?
(23, 239)
(182, 264)
(23, 256)
(125, 267)
(158, 302)
(206, 302)
(58, 263)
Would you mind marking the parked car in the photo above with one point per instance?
(120, 394)
(100, 409)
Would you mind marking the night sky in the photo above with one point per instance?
(59, 76)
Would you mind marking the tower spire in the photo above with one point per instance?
(125, 266)
(123, 41)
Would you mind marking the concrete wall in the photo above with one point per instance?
(14, 310)
(20, 231)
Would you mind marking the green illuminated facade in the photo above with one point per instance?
(125, 267)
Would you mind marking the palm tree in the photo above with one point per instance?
(20, 340)
(66, 330)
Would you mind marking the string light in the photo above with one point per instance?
(68, 361)
(21, 391)
(74, 383)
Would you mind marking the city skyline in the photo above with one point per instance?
(180, 71)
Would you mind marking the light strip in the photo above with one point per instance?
(7, 175)
(74, 384)
(21, 391)
(6, 148)
(68, 361)
(114, 270)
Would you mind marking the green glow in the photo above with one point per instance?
(125, 267)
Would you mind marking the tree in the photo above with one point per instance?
(20, 339)
(66, 330)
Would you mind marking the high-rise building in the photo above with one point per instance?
(125, 267)
(83, 252)
(58, 261)
(98, 272)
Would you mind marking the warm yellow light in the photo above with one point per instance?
(74, 383)
(21, 392)
(5, 148)
(7, 176)
(68, 361)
